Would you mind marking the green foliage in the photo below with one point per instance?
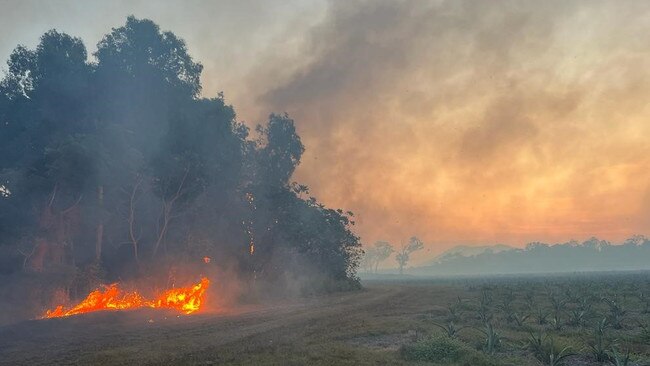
(544, 349)
(439, 349)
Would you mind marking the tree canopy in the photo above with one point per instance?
(112, 166)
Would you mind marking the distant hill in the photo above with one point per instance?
(590, 255)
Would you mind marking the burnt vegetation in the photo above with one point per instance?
(114, 166)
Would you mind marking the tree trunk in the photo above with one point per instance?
(100, 225)
(134, 238)
(167, 214)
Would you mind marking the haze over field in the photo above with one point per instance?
(458, 122)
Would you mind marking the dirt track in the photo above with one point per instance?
(277, 334)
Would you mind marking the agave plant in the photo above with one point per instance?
(571, 296)
(584, 303)
(492, 338)
(536, 343)
(619, 359)
(556, 321)
(454, 313)
(541, 316)
(520, 319)
(556, 358)
(543, 348)
(577, 316)
(460, 303)
(450, 329)
(486, 298)
(557, 302)
(616, 311)
(484, 313)
(598, 345)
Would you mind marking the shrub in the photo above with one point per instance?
(436, 349)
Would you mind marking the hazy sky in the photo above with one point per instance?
(458, 122)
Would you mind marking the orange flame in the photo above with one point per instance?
(184, 299)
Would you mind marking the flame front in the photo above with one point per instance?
(184, 299)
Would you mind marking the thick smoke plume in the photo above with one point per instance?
(118, 170)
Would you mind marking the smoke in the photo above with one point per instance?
(456, 121)
(473, 121)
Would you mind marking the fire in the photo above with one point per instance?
(183, 299)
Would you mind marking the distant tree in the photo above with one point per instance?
(383, 250)
(636, 240)
(369, 259)
(403, 256)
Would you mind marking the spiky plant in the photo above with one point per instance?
(619, 359)
(557, 358)
(571, 296)
(454, 312)
(529, 298)
(551, 355)
(492, 338)
(484, 314)
(450, 329)
(536, 343)
(584, 303)
(599, 344)
(577, 316)
(541, 316)
(616, 311)
(486, 298)
(520, 319)
(556, 321)
(557, 303)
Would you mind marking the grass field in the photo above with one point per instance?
(579, 319)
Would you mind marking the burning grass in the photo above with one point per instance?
(183, 299)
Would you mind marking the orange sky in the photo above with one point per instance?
(459, 122)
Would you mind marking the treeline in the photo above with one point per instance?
(591, 255)
(114, 167)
